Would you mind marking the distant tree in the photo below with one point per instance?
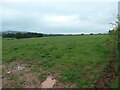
(19, 35)
(91, 33)
(82, 34)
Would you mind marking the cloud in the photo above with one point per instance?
(59, 17)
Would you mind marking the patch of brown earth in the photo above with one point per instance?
(12, 66)
(61, 85)
(30, 80)
(18, 74)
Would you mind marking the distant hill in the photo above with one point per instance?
(14, 32)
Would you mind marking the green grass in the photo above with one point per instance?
(79, 59)
(114, 84)
(9, 38)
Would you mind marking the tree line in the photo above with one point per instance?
(21, 35)
(34, 35)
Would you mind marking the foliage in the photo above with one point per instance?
(115, 45)
(21, 35)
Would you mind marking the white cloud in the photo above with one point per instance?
(59, 18)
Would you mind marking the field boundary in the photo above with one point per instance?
(110, 74)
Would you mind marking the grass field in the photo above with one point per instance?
(75, 60)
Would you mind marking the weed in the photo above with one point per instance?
(42, 76)
(35, 70)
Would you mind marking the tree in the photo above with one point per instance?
(115, 37)
(19, 35)
(91, 33)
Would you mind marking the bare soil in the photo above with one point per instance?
(17, 74)
(19, 78)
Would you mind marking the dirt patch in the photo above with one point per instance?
(30, 80)
(62, 85)
(17, 74)
(13, 66)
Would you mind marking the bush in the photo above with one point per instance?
(91, 34)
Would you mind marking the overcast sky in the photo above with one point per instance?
(59, 17)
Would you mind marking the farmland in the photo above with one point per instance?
(74, 61)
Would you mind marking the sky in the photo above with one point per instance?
(65, 17)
